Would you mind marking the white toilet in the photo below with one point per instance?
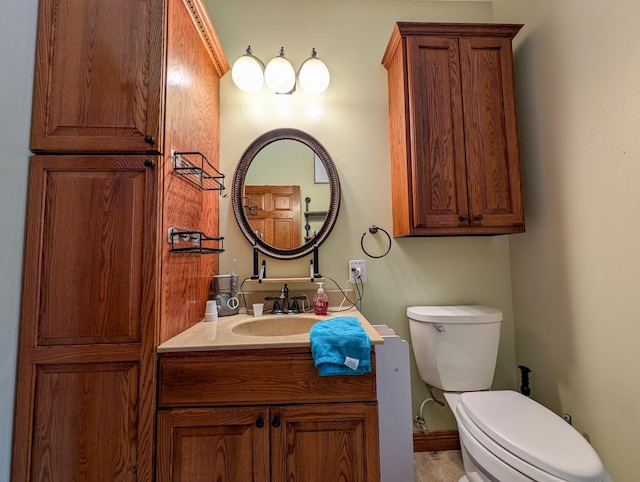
(504, 436)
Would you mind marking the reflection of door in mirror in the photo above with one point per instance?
(289, 162)
(277, 218)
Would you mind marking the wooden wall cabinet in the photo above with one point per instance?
(101, 288)
(455, 163)
(98, 77)
(264, 415)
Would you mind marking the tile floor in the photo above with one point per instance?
(441, 466)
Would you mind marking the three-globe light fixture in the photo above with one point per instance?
(249, 74)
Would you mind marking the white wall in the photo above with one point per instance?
(576, 271)
(350, 119)
(17, 47)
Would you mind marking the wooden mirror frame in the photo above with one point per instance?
(237, 190)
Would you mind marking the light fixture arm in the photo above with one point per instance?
(249, 53)
(312, 56)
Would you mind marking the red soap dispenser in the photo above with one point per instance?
(320, 301)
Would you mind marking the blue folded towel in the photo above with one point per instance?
(340, 346)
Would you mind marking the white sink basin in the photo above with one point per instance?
(244, 331)
(277, 325)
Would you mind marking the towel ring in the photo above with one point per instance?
(373, 230)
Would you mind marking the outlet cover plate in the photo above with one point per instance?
(355, 266)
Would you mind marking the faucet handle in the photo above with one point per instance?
(295, 307)
(276, 304)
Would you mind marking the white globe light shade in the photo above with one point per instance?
(247, 74)
(314, 76)
(279, 75)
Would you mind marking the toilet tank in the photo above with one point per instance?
(455, 347)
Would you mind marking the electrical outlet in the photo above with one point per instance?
(357, 271)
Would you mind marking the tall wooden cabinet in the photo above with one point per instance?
(118, 87)
(455, 162)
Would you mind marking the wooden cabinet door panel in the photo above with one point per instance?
(332, 442)
(98, 76)
(221, 444)
(81, 409)
(492, 151)
(439, 182)
(92, 251)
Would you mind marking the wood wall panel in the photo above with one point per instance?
(192, 125)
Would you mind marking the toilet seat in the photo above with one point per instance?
(489, 456)
(528, 437)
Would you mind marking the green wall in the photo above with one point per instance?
(350, 119)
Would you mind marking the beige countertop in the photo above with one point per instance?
(246, 331)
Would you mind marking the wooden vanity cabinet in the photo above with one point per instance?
(455, 162)
(101, 289)
(264, 415)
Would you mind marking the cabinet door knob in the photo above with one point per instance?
(464, 217)
(478, 217)
(149, 139)
(276, 422)
(149, 163)
(260, 422)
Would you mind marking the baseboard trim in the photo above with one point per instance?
(430, 441)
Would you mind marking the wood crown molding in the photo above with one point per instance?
(202, 21)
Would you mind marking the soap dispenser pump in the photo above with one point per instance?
(320, 301)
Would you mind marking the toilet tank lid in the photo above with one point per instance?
(455, 314)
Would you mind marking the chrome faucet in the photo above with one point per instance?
(285, 305)
(280, 303)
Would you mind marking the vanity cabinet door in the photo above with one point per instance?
(302, 443)
(222, 444)
(325, 442)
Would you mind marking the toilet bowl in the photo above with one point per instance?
(504, 436)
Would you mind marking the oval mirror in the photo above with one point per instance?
(286, 193)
